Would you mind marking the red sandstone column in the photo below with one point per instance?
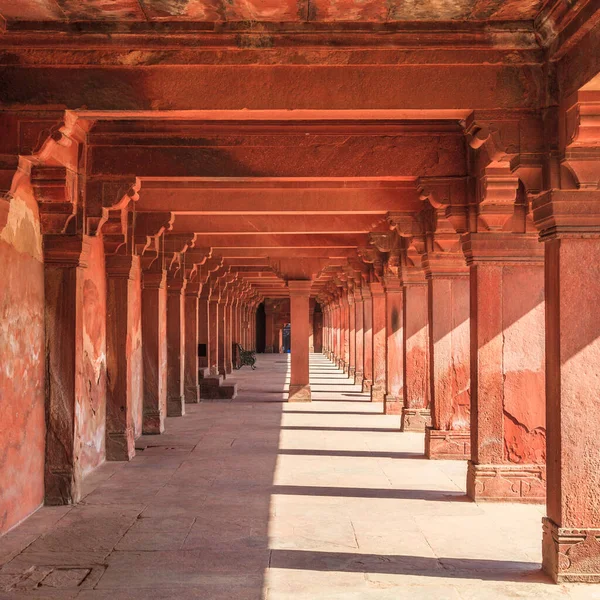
(65, 263)
(221, 335)
(299, 316)
(507, 367)
(359, 336)
(395, 345)
(379, 386)
(203, 325)
(191, 383)
(569, 222)
(449, 436)
(123, 354)
(416, 414)
(368, 339)
(311, 325)
(351, 335)
(228, 334)
(345, 332)
(213, 331)
(154, 348)
(336, 332)
(176, 286)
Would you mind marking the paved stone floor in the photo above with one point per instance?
(255, 498)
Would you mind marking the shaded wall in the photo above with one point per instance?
(22, 421)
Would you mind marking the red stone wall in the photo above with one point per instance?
(91, 375)
(135, 376)
(22, 421)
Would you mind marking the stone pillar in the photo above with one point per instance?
(416, 415)
(449, 436)
(379, 386)
(359, 336)
(336, 332)
(176, 286)
(228, 337)
(154, 349)
(190, 376)
(311, 325)
(221, 310)
(124, 365)
(345, 322)
(213, 332)
(299, 317)
(203, 325)
(508, 441)
(269, 327)
(280, 341)
(368, 339)
(65, 263)
(351, 336)
(395, 346)
(569, 222)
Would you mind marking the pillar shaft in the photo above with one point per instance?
(213, 334)
(359, 337)
(351, 336)
(379, 386)
(269, 329)
(123, 354)
(416, 414)
(449, 437)
(300, 328)
(175, 346)
(191, 383)
(394, 300)
(203, 329)
(368, 339)
(507, 367)
(154, 350)
(221, 310)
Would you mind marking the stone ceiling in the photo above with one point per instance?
(272, 10)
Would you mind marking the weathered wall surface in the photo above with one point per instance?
(22, 427)
(90, 416)
(135, 377)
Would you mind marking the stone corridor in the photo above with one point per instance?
(255, 498)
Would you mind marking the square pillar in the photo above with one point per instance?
(508, 425)
(569, 222)
(221, 312)
(123, 354)
(394, 300)
(66, 259)
(175, 345)
(345, 327)
(191, 382)
(359, 336)
(379, 386)
(154, 349)
(368, 339)
(300, 328)
(449, 436)
(416, 415)
(351, 336)
(269, 327)
(213, 333)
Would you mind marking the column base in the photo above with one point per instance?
(570, 555)
(447, 444)
(367, 384)
(415, 419)
(393, 405)
(351, 372)
(192, 396)
(507, 483)
(120, 445)
(268, 349)
(153, 423)
(359, 379)
(377, 393)
(62, 486)
(299, 393)
(176, 406)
